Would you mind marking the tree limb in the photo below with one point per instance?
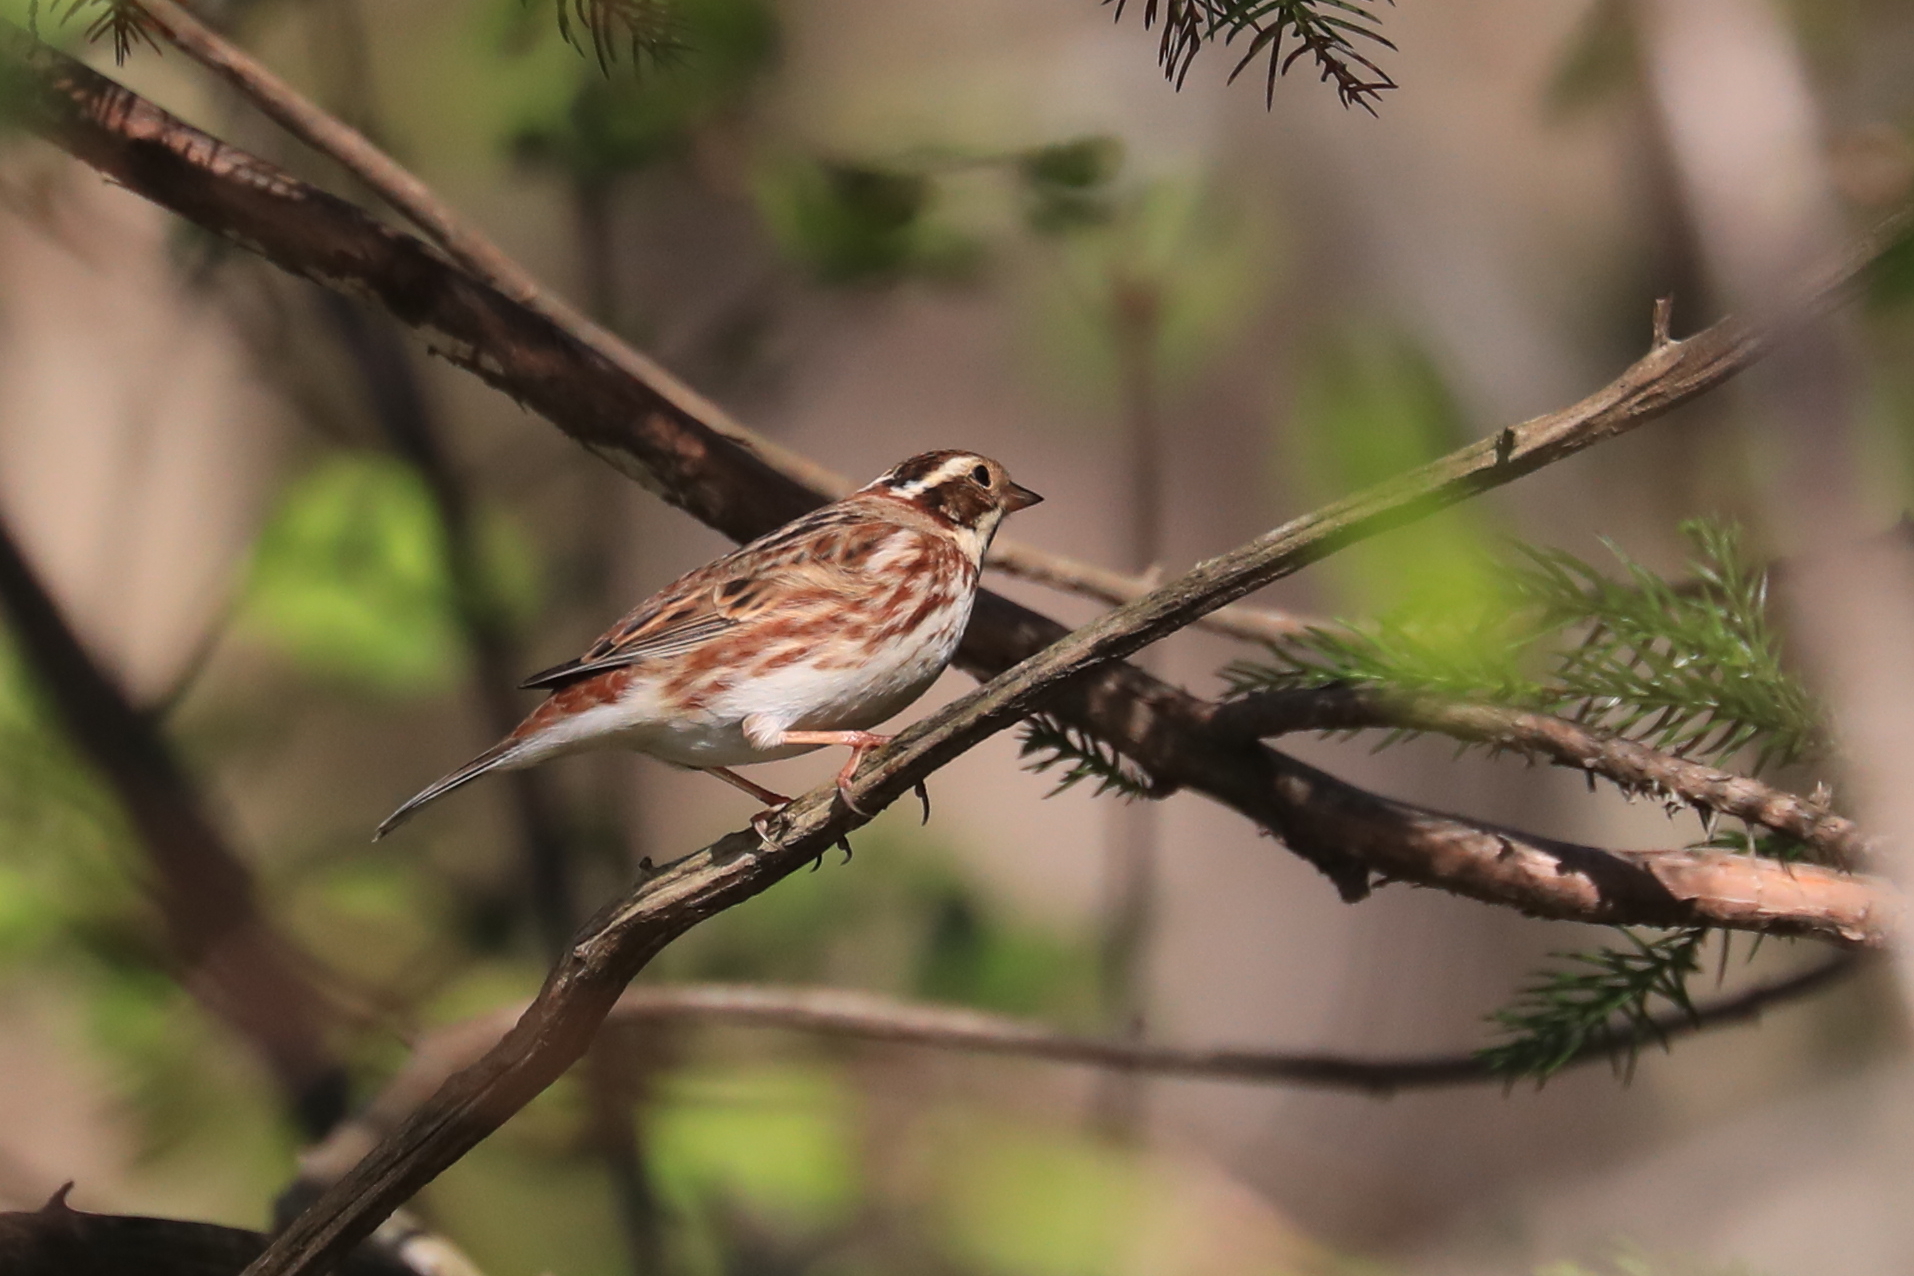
(863, 1016)
(57, 1240)
(1636, 767)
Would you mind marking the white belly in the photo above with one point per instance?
(801, 696)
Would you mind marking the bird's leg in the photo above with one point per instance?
(773, 802)
(859, 743)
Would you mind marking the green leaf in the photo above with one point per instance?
(349, 578)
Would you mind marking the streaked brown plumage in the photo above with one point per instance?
(807, 636)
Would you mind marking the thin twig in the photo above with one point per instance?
(862, 1016)
(1251, 624)
(1636, 767)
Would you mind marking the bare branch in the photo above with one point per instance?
(1252, 624)
(1548, 878)
(1636, 767)
(863, 1016)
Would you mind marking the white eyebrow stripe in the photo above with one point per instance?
(942, 474)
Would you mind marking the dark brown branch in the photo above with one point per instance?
(1636, 767)
(228, 956)
(57, 1240)
(1544, 877)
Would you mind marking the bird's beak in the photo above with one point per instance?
(1018, 497)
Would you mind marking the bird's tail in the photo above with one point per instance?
(500, 754)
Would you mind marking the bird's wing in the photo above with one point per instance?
(782, 569)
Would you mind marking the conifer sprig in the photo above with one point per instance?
(1049, 742)
(647, 28)
(121, 21)
(1694, 668)
(1608, 996)
(1281, 31)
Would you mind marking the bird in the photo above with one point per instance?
(804, 638)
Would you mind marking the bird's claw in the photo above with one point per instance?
(850, 804)
(843, 843)
(922, 791)
(761, 824)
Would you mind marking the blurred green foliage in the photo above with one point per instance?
(1602, 60)
(1368, 407)
(904, 909)
(779, 1141)
(1629, 1261)
(349, 578)
(1166, 273)
(1890, 280)
(623, 122)
(1692, 665)
(1067, 184)
(1032, 1202)
(848, 223)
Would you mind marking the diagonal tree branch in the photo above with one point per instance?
(230, 959)
(1636, 767)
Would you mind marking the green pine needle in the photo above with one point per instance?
(1048, 742)
(1281, 31)
(648, 28)
(1694, 669)
(1607, 997)
(121, 21)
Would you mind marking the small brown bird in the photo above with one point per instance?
(806, 637)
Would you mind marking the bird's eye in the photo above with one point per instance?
(982, 476)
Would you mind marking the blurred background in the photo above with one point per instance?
(871, 228)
